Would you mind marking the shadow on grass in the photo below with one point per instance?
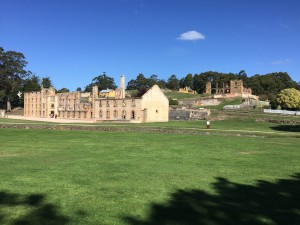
(38, 211)
(233, 204)
(290, 128)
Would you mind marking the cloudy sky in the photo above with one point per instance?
(74, 41)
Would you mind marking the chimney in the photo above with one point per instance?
(122, 86)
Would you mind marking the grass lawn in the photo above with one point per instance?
(89, 177)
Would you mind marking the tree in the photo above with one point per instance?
(63, 90)
(103, 82)
(173, 83)
(88, 88)
(46, 82)
(78, 89)
(32, 83)
(12, 72)
(188, 81)
(153, 79)
(141, 82)
(289, 99)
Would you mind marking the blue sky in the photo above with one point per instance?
(72, 41)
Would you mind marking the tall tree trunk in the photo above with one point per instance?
(8, 108)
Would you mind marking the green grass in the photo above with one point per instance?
(179, 96)
(89, 177)
(225, 101)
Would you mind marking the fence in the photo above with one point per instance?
(284, 112)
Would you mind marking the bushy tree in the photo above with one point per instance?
(173, 83)
(104, 82)
(46, 82)
(32, 83)
(289, 99)
(12, 73)
(63, 90)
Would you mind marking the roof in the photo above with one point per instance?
(106, 91)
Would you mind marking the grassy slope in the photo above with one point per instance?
(179, 96)
(100, 178)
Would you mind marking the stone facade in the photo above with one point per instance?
(235, 89)
(153, 106)
(41, 103)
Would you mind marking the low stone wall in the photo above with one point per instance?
(191, 131)
(199, 102)
(188, 114)
(279, 121)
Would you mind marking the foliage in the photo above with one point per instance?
(12, 73)
(32, 83)
(63, 90)
(173, 101)
(187, 81)
(173, 83)
(88, 88)
(104, 82)
(289, 99)
(143, 84)
(46, 82)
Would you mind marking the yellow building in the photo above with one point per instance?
(108, 93)
(187, 90)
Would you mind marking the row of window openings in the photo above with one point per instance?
(100, 103)
(83, 114)
(116, 115)
(115, 103)
(72, 114)
(52, 99)
(52, 106)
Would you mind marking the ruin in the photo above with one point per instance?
(234, 89)
(187, 90)
(107, 106)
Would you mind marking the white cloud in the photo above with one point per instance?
(278, 62)
(191, 36)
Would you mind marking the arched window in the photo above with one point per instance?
(100, 114)
(132, 114)
(107, 114)
(123, 114)
(115, 114)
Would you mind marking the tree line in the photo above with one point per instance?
(14, 78)
(266, 86)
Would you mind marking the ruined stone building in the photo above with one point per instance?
(234, 89)
(187, 90)
(107, 105)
